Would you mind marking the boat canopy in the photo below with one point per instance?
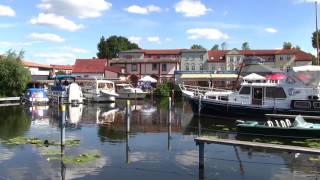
(301, 123)
(148, 79)
(306, 68)
(254, 77)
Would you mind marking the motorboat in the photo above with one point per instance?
(36, 94)
(296, 92)
(66, 90)
(299, 128)
(127, 91)
(100, 91)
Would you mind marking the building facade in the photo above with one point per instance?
(194, 59)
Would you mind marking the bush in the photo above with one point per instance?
(164, 89)
(14, 76)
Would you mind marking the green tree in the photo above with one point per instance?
(197, 46)
(14, 76)
(314, 39)
(215, 47)
(224, 46)
(110, 48)
(245, 46)
(287, 45)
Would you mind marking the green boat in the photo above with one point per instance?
(286, 128)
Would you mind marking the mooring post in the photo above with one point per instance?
(127, 149)
(169, 122)
(201, 155)
(199, 105)
(63, 121)
(128, 112)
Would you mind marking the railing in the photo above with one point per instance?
(199, 90)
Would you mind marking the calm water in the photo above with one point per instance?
(152, 150)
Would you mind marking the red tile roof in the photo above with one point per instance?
(61, 67)
(33, 64)
(89, 66)
(162, 51)
(114, 69)
(216, 56)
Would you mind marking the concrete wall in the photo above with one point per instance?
(111, 75)
(37, 71)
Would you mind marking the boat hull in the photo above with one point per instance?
(132, 95)
(215, 108)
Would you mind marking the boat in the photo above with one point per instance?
(36, 94)
(127, 91)
(299, 128)
(296, 92)
(66, 90)
(100, 91)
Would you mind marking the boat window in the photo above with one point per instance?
(223, 98)
(211, 97)
(275, 92)
(101, 85)
(316, 105)
(302, 104)
(245, 90)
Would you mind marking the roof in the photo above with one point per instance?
(114, 69)
(216, 55)
(208, 76)
(61, 67)
(162, 51)
(34, 64)
(89, 66)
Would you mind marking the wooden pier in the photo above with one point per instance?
(201, 141)
(9, 101)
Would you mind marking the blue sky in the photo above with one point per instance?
(59, 31)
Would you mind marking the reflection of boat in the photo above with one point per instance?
(65, 89)
(75, 113)
(127, 91)
(299, 128)
(39, 116)
(106, 116)
(149, 110)
(294, 93)
(99, 91)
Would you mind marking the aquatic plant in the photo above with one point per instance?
(78, 159)
(314, 143)
(36, 141)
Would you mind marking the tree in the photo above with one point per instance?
(314, 39)
(224, 46)
(110, 48)
(287, 45)
(245, 46)
(197, 46)
(14, 76)
(215, 47)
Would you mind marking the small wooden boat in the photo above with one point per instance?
(299, 128)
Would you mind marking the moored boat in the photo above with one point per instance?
(36, 94)
(100, 91)
(295, 93)
(298, 128)
(127, 91)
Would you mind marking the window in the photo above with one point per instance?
(238, 58)
(212, 67)
(164, 67)
(133, 67)
(281, 58)
(193, 67)
(275, 92)
(201, 67)
(187, 67)
(154, 67)
(201, 57)
(245, 90)
(302, 104)
(288, 57)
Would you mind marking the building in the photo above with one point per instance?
(194, 59)
(159, 64)
(66, 69)
(90, 68)
(38, 71)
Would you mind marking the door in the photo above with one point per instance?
(257, 95)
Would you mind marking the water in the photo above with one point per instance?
(152, 150)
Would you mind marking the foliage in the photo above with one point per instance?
(245, 46)
(314, 143)
(287, 45)
(110, 48)
(314, 60)
(197, 46)
(215, 47)
(314, 39)
(39, 142)
(224, 46)
(164, 89)
(14, 76)
(79, 159)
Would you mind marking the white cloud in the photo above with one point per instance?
(154, 39)
(206, 33)
(271, 30)
(11, 44)
(78, 8)
(142, 10)
(57, 58)
(46, 37)
(74, 50)
(135, 39)
(191, 8)
(56, 21)
(6, 11)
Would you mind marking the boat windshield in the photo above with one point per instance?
(300, 122)
(308, 78)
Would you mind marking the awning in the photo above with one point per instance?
(209, 76)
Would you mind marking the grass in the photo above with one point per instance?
(314, 143)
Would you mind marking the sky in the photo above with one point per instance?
(60, 31)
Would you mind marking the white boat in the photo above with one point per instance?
(296, 92)
(66, 90)
(100, 91)
(127, 91)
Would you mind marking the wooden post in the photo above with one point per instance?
(201, 155)
(199, 106)
(128, 115)
(169, 123)
(63, 122)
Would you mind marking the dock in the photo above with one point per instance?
(9, 101)
(201, 141)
